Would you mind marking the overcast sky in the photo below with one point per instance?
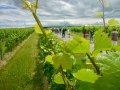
(53, 12)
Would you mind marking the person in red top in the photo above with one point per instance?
(114, 37)
(84, 32)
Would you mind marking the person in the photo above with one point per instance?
(114, 37)
(91, 35)
(53, 30)
(63, 32)
(69, 33)
(60, 30)
(84, 32)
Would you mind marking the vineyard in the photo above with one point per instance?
(10, 38)
(85, 57)
(94, 28)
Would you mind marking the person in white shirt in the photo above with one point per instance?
(69, 33)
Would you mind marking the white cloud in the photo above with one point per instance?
(53, 12)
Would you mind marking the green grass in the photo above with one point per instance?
(17, 74)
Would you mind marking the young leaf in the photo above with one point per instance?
(86, 75)
(79, 45)
(58, 79)
(110, 67)
(116, 48)
(102, 42)
(99, 14)
(64, 60)
(35, 4)
(113, 22)
(107, 5)
(24, 2)
(49, 59)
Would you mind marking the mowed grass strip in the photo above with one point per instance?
(17, 74)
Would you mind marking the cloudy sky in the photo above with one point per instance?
(57, 12)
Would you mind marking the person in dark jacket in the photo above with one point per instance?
(63, 32)
(91, 35)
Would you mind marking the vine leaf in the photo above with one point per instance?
(99, 14)
(86, 75)
(58, 79)
(113, 22)
(110, 67)
(107, 5)
(64, 60)
(116, 48)
(49, 59)
(101, 42)
(32, 4)
(79, 45)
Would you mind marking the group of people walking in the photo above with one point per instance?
(86, 34)
(62, 32)
(114, 36)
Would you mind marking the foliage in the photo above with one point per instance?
(69, 56)
(86, 75)
(113, 22)
(32, 4)
(110, 64)
(10, 38)
(80, 29)
(62, 59)
(37, 29)
(107, 5)
(18, 72)
(78, 45)
(99, 14)
(102, 42)
(58, 79)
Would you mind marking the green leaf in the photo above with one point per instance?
(49, 59)
(107, 5)
(58, 79)
(79, 45)
(99, 14)
(79, 59)
(30, 4)
(24, 2)
(110, 67)
(102, 42)
(80, 85)
(35, 4)
(113, 22)
(64, 60)
(108, 82)
(86, 75)
(116, 48)
(48, 31)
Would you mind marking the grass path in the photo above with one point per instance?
(17, 74)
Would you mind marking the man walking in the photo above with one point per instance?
(63, 32)
(114, 37)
